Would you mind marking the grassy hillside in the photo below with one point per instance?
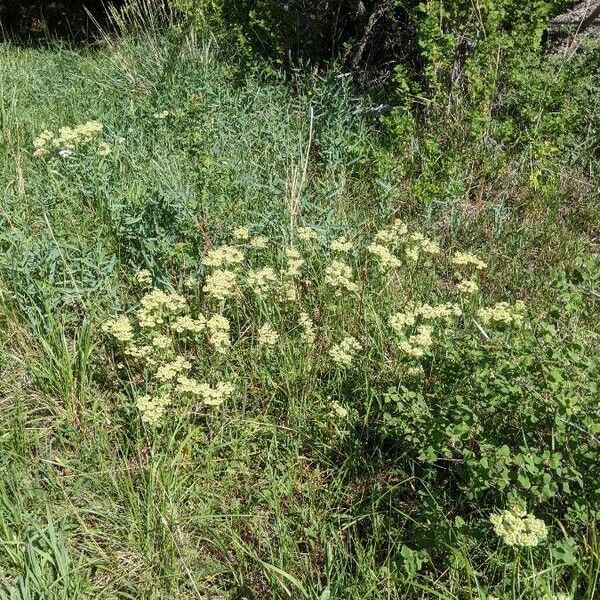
(377, 404)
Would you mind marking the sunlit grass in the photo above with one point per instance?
(354, 452)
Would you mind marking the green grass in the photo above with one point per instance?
(269, 497)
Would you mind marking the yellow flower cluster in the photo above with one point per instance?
(267, 335)
(339, 410)
(418, 344)
(261, 281)
(343, 353)
(144, 277)
(218, 330)
(241, 234)
(440, 311)
(294, 262)
(215, 396)
(259, 242)
(211, 396)
(339, 275)
(68, 138)
(308, 334)
(503, 312)
(467, 286)
(401, 320)
(386, 259)
(154, 306)
(152, 408)
(306, 234)
(517, 528)
(161, 341)
(144, 351)
(341, 244)
(224, 256)
(424, 244)
(220, 284)
(120, 328)
(169, 371)
(185, 323)
(466, 259)
(393, 234)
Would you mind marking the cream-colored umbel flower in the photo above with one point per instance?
(185, 324)
(67, 139)
(418, 344)
(467, 286)
(339, 275)
(261, 281)
(429, 246)
(344, 352)
(215, 396)
(341, 244)
(241, 234)
(144, 277)
(259, 242)
(161, 341)
(218, 333)
(155, 304)
(339, 410)
(517, 528)
(503, 312)
(267, 336)
(120, 328)
(144, 351)
(211, 396)
(385, 258)
(294, 262)
(152, 408)
(220, 284)
(306, 234)
(439, 311)
(169, 371)
(224, 256)
(393, 234)
(401, 320)
(308, 333)
(413, 253)
(104, 149)
(466, 259)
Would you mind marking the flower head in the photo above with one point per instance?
(241, 234)
(267, 336)
(218, 333)
(306, 234)
(120, 328)
(517, 528)
(220, 284)
(152, 408)
(261, 280)
(259, 242)
(224, 256)
(343, 353)
(339, 275)
(341, 244)
(466, 259)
